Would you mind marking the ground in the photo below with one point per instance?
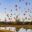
(17, 25)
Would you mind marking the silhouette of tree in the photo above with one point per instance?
(18, 20)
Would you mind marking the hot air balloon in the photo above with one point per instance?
(16, 5)
(19, 0)
(26, 11)
(7, 15)
(16, 10)
(11, 10)
(24, 14)
(29, 3)
(9, 18)
(22, 0)
(26, 3)
(0, 3)
(25, 17)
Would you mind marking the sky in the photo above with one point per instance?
(22, 6)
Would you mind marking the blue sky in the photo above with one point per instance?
(10, 4)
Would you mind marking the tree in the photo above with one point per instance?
(17, 20)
